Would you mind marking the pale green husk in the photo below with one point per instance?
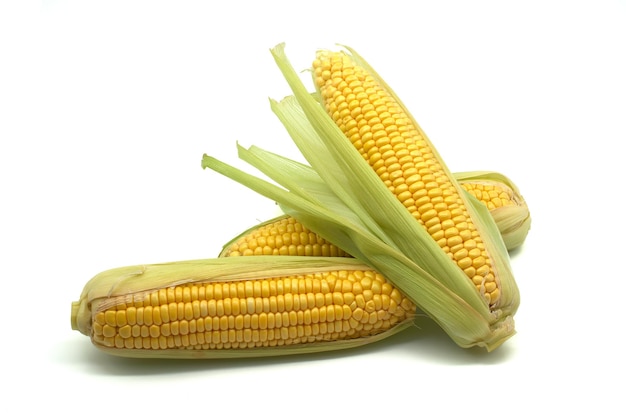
(341, 198)
(104, 289)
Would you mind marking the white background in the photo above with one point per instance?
(106, 109)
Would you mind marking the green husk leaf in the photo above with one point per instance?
(303, 181)
(514, 223)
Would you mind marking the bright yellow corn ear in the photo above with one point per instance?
(239, 307)
(395, 207)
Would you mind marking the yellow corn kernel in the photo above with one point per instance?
(399, 152)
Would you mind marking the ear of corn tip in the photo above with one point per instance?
(506, 204)
(349, 205)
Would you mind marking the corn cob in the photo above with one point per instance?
(239, 308)
(429, 255)
(284, 235)
(402, 156)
